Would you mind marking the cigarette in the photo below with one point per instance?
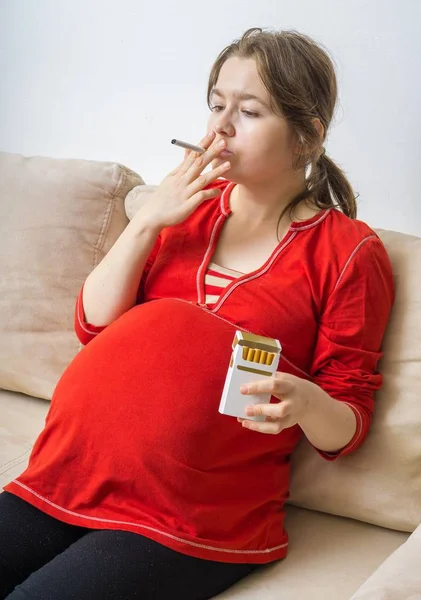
(188, 146)
(269, 358)
(263, 357)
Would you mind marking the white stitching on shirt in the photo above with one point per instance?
(258, 274)
(208, 250)
(224, 214)
(81, 324)
(178, 539)
(321, 218)
(348, 262)
(224, 193)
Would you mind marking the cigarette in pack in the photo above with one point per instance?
(254, 357)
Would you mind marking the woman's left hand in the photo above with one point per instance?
(293, 393)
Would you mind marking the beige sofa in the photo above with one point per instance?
(353, 524)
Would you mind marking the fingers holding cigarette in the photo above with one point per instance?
(200, 156)
(192, 151)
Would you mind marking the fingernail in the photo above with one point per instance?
(221, 143)
(249, 411)
(244, 389)
(211, 134)
(226, 165)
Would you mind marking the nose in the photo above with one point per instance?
(223, 126)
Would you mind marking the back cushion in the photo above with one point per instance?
(381, 482)
(58, 218)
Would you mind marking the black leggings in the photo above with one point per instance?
(42, 558)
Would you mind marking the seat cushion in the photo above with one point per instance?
(22, 418)
(58, 218)
(329, 557)
(399, 577)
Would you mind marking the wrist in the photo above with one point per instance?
(307, 395)
(145, 223)
(327, 423)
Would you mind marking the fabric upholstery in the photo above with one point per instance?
(381, 482)
(58, 218)
(399, 577)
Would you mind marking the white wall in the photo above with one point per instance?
(117, 80)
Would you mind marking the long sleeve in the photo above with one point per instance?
(350, 335)
(86, 331)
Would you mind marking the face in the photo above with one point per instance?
(261, 143)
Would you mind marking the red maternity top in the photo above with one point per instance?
(133, 439)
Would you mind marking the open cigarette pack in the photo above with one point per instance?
(253, 358)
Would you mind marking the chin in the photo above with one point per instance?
(234, 174)
(236, 177)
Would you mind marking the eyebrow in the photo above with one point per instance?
(241, 96)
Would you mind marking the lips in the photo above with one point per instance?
(225, 153)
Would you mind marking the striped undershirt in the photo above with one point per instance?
(216, 280)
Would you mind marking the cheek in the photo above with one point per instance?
(266, 145)
(259, 146)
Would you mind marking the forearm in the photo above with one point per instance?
(111, 289)
(327, 423)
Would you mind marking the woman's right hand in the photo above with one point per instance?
(181, 192)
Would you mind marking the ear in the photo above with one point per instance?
(317, 124)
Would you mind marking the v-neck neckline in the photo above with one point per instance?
(225, 212)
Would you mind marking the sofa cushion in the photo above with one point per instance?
(22, 418)
(58, 218)
(399, 577)
(381, 482)
(328, 559)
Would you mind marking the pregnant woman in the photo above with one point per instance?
(138, 487)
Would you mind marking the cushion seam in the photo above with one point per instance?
(14, 462)
(108, 214)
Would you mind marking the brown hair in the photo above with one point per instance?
(300, 78)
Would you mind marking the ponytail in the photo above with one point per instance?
(334, 187)
(327, 186)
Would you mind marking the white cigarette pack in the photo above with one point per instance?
(253, 358)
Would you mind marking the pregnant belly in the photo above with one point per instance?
(134, 432)
(149, 382)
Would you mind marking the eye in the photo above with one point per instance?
(250, 113)
(217, 108)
